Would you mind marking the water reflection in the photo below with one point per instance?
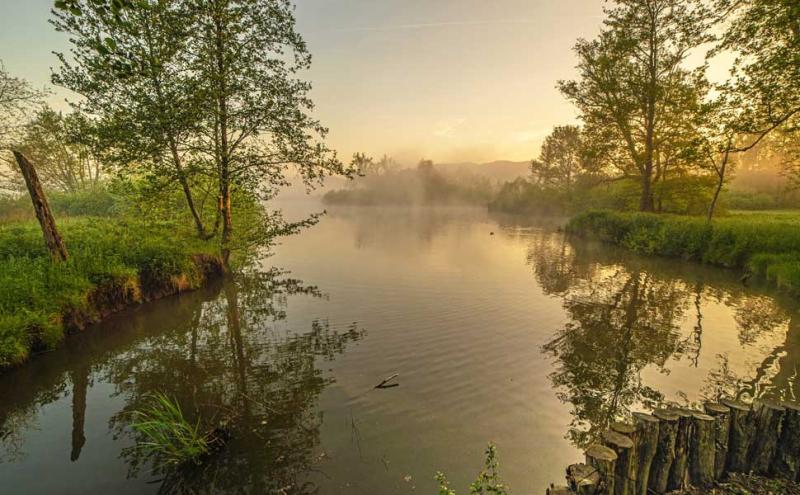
(628, 317)
(225, 362)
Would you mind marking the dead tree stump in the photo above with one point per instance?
(52, 239)
(702, 450)
(583, 479)
(767, 419)
(721, 433)
(625, 470)
(646, 441)
(604, 460)
(786, 463)
(559, 490)
(741, 433)
(665, 450)
(678, 473)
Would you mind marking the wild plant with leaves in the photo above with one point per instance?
(487, 483)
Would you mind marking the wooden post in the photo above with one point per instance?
(625, 470)
(646, 443)
(559, 490)
(665, 450)
(52, 239)
(721, 433)
(678, 473)
(741, 433)
(767, 419)
(583, 479)
(702, 450)
(786, 464)
(604, 461)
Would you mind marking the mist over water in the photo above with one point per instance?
(501, 329)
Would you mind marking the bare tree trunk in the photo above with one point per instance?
(187, 191)
(51, 236)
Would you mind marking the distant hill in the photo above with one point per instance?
(499, 170)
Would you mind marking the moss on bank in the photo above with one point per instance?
(766, 246)
(114, 263)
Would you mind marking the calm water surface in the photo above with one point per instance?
(524, 338)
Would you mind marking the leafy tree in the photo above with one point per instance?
(63, 150)
(129, 64)
(634, 92)
(563, 159)
(247, 54)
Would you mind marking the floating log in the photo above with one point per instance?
(786, 463)
(665, 450)
(767, 419)
(625, 469)
(604, 460)
(741, 433)
(702, 450)
(646, 441)
(678, 473)
(583, 479)
(721, 433)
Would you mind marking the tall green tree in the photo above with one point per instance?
(258, 127)
(129, 64)
(563, 159)
(634, 90)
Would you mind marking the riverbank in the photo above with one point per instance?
(114, 263)
(761, 245)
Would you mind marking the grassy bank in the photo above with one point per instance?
(765, 245)
(114, 263)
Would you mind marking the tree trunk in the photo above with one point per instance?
(187, 191)
(786, 464)
(679, 471)
(767, 419)
(625, 469)
(714, 199)
(604, 461)
(52, 239)
(721, 434)
(646, 444)
(741, 433)
(646, 200)
(583, 479)
(702, 450)
(665, 450)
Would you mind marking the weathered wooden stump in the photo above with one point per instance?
(741, 433)
(583, 479)
(721, 433)
(702, 450)
(604, 460)
(678, 473)
(767, 419)
(559, 490)
(786, 463)
(625, 470)
(646, 441)
(665, 450)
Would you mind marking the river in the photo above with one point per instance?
(500, 330)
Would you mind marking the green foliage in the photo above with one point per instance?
(487, 483)
(766, 245)
(166, 434)
(112, 254)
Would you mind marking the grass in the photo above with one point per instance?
(112, 261)
(764, 244)
(166, 434)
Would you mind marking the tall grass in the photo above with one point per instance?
(765, 245)
(166, 434)
(120, 255)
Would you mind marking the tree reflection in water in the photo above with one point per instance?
(227, 364)
(628, 315)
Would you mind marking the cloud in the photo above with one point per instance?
(447, 128)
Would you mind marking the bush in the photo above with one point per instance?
(766, 245)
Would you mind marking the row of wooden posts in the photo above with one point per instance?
(672, 449)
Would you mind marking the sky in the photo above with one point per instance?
(447, 80)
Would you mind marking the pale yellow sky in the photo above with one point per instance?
(449, 80)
